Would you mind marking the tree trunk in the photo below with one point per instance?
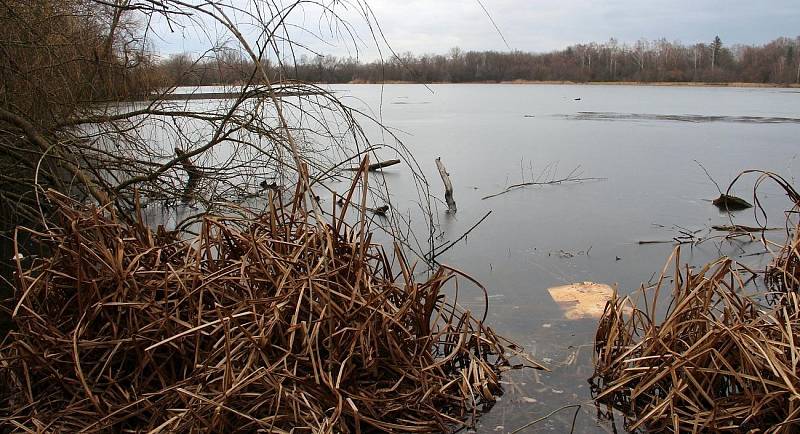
(798, 73)
(194, 175)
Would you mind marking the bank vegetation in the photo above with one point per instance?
(658, 61)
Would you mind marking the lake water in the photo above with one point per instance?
(643, 140)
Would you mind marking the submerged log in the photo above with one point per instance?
(448, 186)
(731, 203)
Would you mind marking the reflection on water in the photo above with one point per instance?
(632, 117)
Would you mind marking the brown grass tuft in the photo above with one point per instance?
(717, 362)
(255, 324)
(719, 359)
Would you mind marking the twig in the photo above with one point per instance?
(553, 182)
(709, 176)
(462, 236)
(535, 421)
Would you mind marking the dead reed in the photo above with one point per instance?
(719, 359)
(717, 362)
(783, 275)
(273, 323)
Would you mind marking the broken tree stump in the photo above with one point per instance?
(193, 172)
(448, 186)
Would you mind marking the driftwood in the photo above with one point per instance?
(464, 235)
(687, 237)
(380, 165)
(448, 186)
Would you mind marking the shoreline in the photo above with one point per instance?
(199, 95)
(595, 83)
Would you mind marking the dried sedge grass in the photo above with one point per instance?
(719, 360)
(271, 324)
(783, 275)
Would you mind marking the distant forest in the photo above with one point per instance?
(777, 62)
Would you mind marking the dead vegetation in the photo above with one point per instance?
(718, 357)
(261, 312)
(784, 274)
(718, 361)
(258, 323)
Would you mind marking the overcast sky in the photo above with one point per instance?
(435, 26)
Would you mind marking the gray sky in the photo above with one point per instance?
(435, 26)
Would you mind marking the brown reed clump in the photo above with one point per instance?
(720, 359)
(717, 362)
(783, 275)
(269, 324)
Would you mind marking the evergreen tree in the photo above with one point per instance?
(716, 47)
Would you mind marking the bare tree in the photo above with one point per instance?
(83, 112)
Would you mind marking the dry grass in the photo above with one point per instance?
(719, 359)
(784, 273)
(273, 323)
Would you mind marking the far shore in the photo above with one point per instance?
(597, 83)
(199, 95)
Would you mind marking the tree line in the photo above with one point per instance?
(777, 62)
(60, 56)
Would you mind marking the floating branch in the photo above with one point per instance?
(741, 228)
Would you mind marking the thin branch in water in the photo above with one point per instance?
(548, 415)
(449, 246)
(565, 180)
(709, 176)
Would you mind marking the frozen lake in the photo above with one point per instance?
(644, 140)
